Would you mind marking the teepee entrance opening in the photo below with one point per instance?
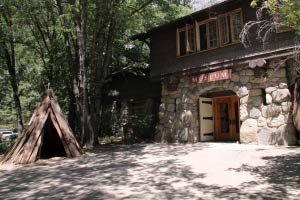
(51, 143)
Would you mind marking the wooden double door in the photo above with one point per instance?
(219, 118)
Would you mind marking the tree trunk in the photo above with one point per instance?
(74, 111)
(87, 131)
(101, 51)
(14, 85)
(11, 67)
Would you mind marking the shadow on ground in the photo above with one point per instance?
(142, 172)
(282, 173)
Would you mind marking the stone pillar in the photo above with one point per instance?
(265, 110)
(177, 113)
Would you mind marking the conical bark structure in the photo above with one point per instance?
(47, 135)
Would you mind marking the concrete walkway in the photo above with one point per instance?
(157, 171)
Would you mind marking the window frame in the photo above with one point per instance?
(197, 45)
(178, 41)
(280, 28)
(208, 34)
(185, 29)
(198, 42)
(188, 27)
(231, 13)
(136, 106)
(220, 30)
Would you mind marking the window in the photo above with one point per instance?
(230, 27)
(137, 107)
(190, 42)
(210, 34)
(203, 37)
(182, 41)
(207, 35)
(186, 40)
(282, 28)
(236, 25)
(280, 24)
(224, 30)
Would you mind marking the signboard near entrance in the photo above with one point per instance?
(212, 76)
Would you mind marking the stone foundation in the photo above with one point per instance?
(265, 105)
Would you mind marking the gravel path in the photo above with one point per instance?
(158, 171)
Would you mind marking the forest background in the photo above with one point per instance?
(76, 46)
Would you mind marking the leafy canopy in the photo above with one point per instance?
(285, 12)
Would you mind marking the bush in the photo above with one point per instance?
(109, 140)
(142, 126)
(113, 124)
(5, 146)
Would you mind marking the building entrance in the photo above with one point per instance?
(219, 118)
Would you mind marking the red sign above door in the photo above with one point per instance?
(213, 76)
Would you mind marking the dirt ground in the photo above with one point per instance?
(160, 171)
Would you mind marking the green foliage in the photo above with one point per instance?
(38, 30)
(142, 126)
(284, 12)
(291, 14)
(135, 53)
(253, 4)
(7, 112)
(110, 140)
(5, 146)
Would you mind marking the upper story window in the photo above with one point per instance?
(181, 40)
(186, 40)
(213, 41)
(236, 25)
(224, 30)
(190, 44)
(280, 22)
(230, 27)
(210, 34)
(207, 35)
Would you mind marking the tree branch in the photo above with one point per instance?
(141, 7)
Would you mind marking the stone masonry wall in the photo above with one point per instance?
(264, 106)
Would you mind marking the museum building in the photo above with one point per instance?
(216, 89)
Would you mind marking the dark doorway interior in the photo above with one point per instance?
(222, 93)
(51, 144)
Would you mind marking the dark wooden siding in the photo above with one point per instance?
(163, 43)
(134, 87)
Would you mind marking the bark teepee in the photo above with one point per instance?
(47, 135)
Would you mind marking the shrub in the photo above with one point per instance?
(142, 124)
(5, 146)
